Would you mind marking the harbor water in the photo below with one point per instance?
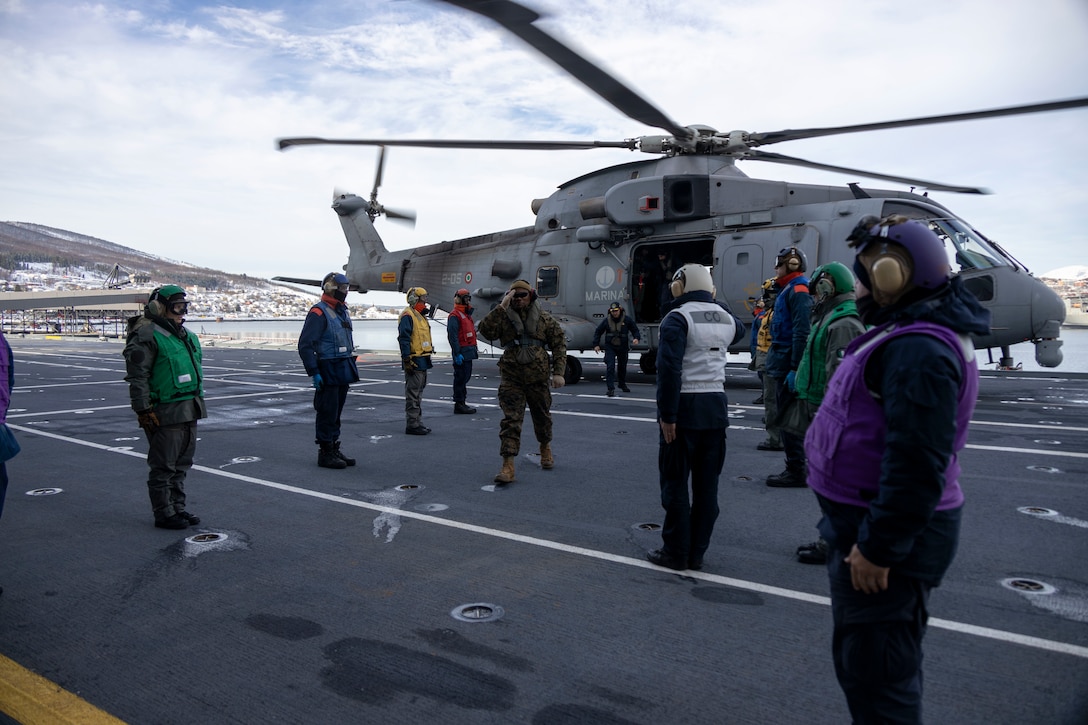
(381, 336)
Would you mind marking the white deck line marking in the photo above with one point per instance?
(961, 627)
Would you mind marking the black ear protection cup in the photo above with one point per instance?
(156, 305)
(679, 282)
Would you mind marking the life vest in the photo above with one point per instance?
(812, 373)
(419, 345)
(175, 375)
(617, 332)
(710, 331)
(466, 329)
(763, 337)
(337, 342)
(845, 443)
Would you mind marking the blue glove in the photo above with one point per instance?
(791, 381)
(318, 382)
(458, 359)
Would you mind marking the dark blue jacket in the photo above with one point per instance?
(693, 410)
(337, 371)
(790, 326)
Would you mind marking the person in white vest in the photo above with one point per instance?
(692, 412)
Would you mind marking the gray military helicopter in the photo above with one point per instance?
(617, 233)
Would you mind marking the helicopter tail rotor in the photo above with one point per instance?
(373, 207)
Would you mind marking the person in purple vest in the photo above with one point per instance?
(882, 460)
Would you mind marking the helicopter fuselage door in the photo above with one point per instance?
(746, 258)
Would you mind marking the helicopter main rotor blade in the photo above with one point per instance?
(630, 144)
(519, 20)
(754, 155)
(378, 173)
(761, 139)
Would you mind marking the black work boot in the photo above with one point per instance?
(463, 409)
(171, 522)
(327, 456)
(340, 454)
(790, 478)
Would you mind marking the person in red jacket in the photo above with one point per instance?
(461, 332)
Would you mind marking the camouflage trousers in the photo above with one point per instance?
(514, 395)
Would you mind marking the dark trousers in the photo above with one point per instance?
(169, 456)
(794, 445)
(612, 356)
(329, 404)
(877, 645)
(3, 485)
(689, 519)
(461, 375)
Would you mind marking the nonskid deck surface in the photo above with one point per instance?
(411, 589)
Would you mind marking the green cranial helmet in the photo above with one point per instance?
(168, 292)
(831, 279)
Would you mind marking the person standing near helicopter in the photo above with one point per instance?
(166, 389)
(526, 333)
(327, 350)
(883, 461)
(790, 325)
(618, 330)
(414, 339)
(461, 333)
(692, 414)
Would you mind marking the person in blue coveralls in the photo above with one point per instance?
(790, 325)
(692, 413)
(328, 354)
(882, 460)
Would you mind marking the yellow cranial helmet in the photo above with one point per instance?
(415, 293)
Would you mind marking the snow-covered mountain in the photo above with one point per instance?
(1072, 272)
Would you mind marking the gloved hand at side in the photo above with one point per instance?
(458, 359)
(791, 381)
(408, 364)
(318, 382)
(148, 421)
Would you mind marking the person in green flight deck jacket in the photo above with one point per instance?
(165, 382)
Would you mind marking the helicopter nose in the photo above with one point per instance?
(1047, 316)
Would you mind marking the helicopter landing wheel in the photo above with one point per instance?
(574, 370)
(647, 362)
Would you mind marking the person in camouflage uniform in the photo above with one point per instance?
(526, 332)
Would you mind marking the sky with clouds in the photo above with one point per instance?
(152, 124)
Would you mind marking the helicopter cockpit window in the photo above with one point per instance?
(547, 281)
(965, 248)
